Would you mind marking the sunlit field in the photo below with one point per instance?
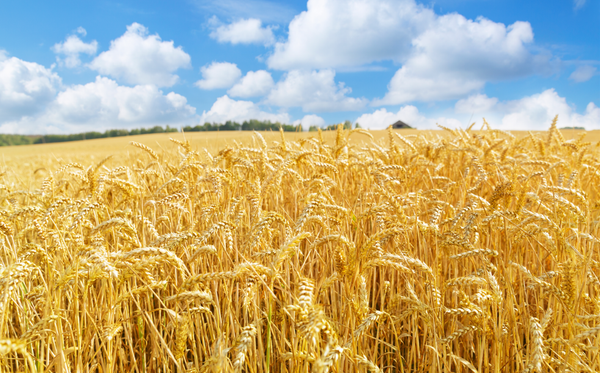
(341, 251)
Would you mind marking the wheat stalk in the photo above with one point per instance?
(427, 252)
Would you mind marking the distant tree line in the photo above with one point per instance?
(332, 127)
(247, 125)
(101, 135)
(258, 125)
(9, 140)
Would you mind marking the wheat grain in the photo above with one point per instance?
(459, 333)
(537, 355)
(245, 339)
(423, 253)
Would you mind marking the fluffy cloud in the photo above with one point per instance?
(346, 33)
(25, 87)
(310, 120)
(253, 84)
(245, 31)
(457, 56)
(443, 57)
(219, 75)
(139, 58)
(72, 48)
(314, 91)
(102, 105)
(583, 73)
(104, 101)
(535, 112)
(409, 114)
(475, 104)
(225, 109)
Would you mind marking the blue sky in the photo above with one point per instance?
(72, 66)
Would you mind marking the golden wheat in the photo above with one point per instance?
(408, 252)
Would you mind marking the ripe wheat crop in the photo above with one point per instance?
(468, 252)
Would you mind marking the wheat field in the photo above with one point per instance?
(471, 251)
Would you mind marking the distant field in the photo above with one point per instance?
(27, 164)
(212, 141)
(42, 156)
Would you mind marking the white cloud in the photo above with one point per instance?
(443, 57)
(583, 73)
(102, 105)
(253, 84)
(590, 119)
(578, 4)
(72, 48)
(81, 31)
(409, 114)
(25, 87)
(347, 33)
(314, 91)
(245, 31)
(104, 101)
(310, 120)
(225, 109)
(475, 104)
(535, 112)
(457, 56)
(139, 58)
(219, 75)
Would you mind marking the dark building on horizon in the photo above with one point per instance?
(400, 124)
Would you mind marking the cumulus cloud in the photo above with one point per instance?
(457, 56)
(314, 91)
(310, 120)
(102, 105)
(253, 84)
(533, 112)
(104, 102)
(139, 58)
(25, 87)
(34, 101)
(475, 104)
(346, 33)
(443, 57)
(409, 114)
(583, 73)
(219, 75)
(225, 109)
(72, 47)
(245, 31)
